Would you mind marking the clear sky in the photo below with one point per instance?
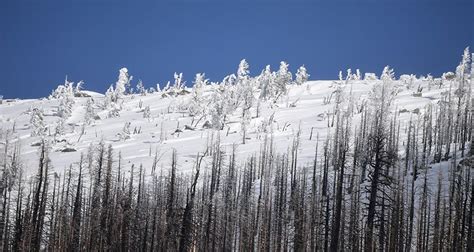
(42, 41)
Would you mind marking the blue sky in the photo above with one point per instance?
(42, 41)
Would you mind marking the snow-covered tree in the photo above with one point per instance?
(78, 88)
(216, 110)
(408, 80)
(222, 103)
(158, 88)
(65, 107)
(245, 93)
(147, 112)
(178, 82)
(358, 76)
(197, 106)
(246, 97)
(301, 75)
(463, 69)
(387, 74)
(140, 88)
(111, 102)
(382, 95)
(167, 87)
(59, 130)
(37, 122)
(282, 78)
(90, 112)
(243, 71)
(430, 80)
(114, 110)
(66, 90)
(109, 97)
(65, 93)
(125, 134)
(200, 81)
(244, 124)
(123, 83)
(266, 82)
(349, 75)
(229, 80)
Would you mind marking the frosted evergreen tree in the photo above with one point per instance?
(167, 86)
(37, 122)
(140, 88)
(283, 77)
(200, 81)
(125, 134)
(466, 60)
(301, 75)
(197, 106)
(358, 76)
(230, 100)
(349, 75)
(90, 112)
(110, 102)
(408, 80)
(109, 97)
(158, 88)
(266, 82)
(178, 82)
(222, 104)
(243, 71)
(244, 124)
(246, 94)
(114, 110)
(387, 74)
(65, 94)
(59, 130)
(147, 112)
(123, 83)
(65, 107)
(78, 87)
(463, 99)
(430, 80)
(216, 111)
(462, 72)
(229, 80)
(244, 86)
(245, 91)
(65, 90)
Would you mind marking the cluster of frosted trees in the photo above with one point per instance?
(213, 103)
(371, 186)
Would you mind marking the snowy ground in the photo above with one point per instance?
(158, 133)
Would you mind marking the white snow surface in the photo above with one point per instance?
(309, 112)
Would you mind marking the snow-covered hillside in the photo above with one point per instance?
(308, 108)
(293, 164)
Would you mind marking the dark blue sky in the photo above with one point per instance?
(42, 41)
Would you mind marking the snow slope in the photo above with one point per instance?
(304, 108)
